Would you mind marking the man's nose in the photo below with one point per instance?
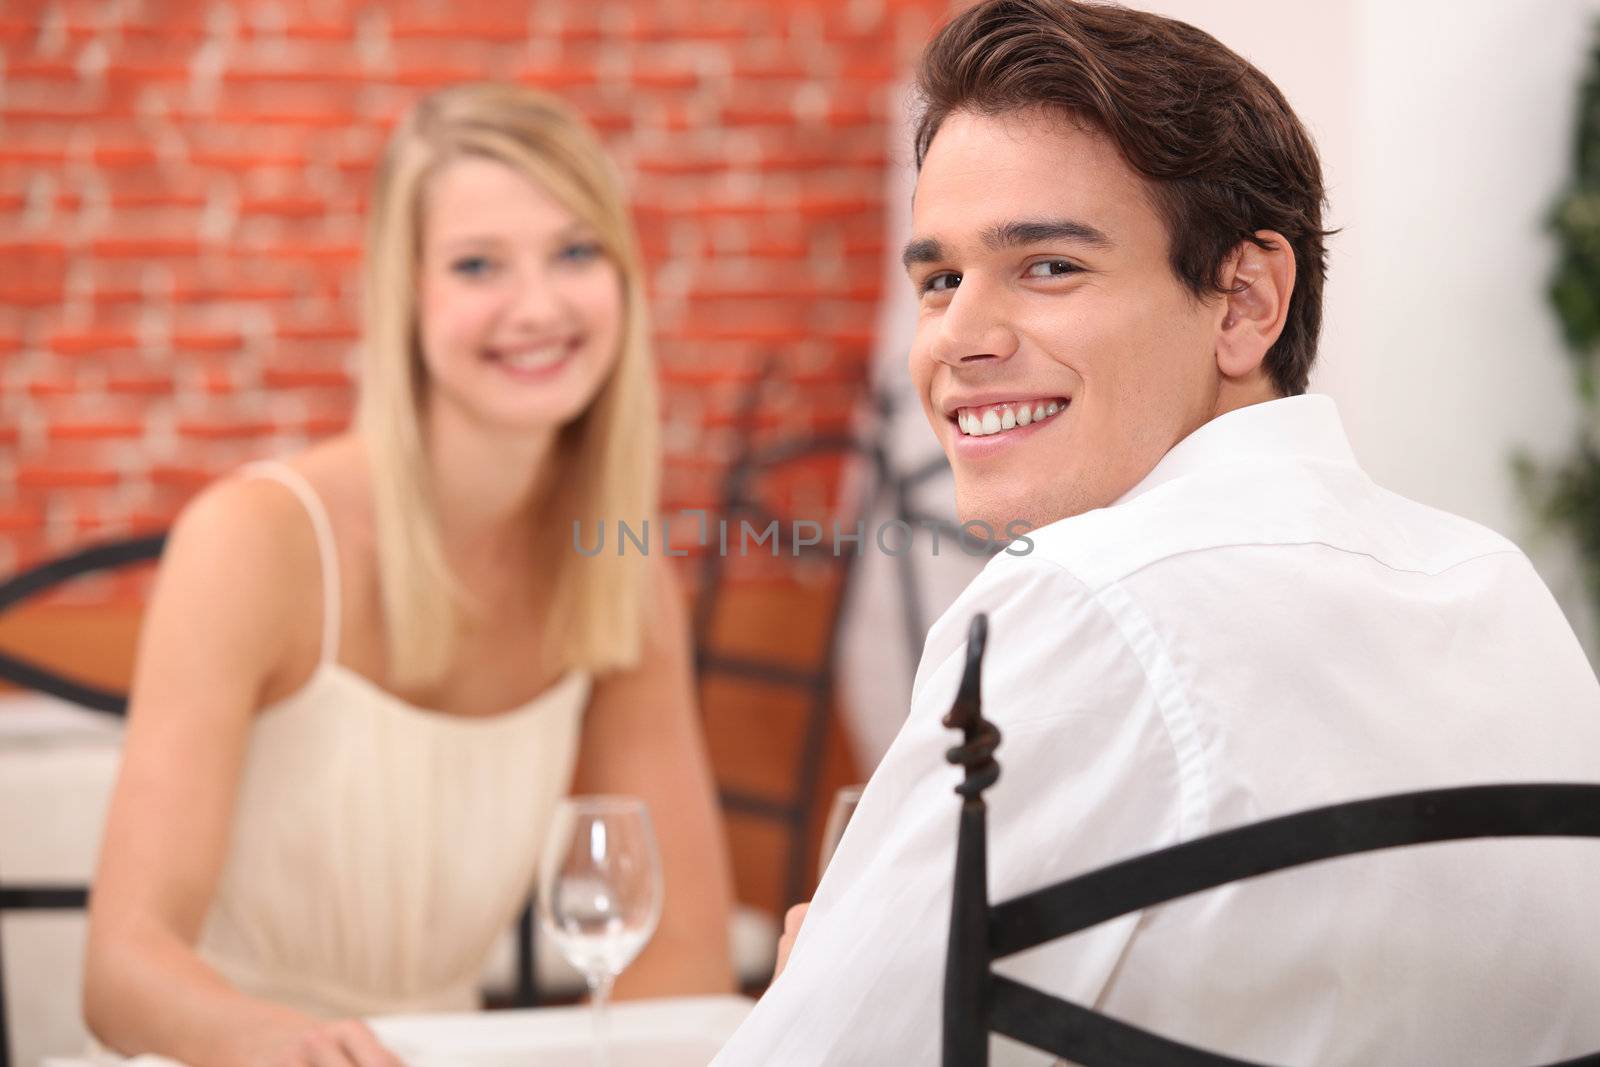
(974, 327)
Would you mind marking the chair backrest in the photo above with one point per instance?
(741, 500)
(45, 577)
(798, 680)
(977, 1001)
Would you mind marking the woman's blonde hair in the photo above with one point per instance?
(604, 464)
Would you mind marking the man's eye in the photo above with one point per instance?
(941, 282)
(472, 266)
(1051, 268)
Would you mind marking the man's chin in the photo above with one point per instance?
(1010, 518)
(993, 519)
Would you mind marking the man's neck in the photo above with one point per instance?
(1236, 393)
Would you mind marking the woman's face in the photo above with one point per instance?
(520, 309)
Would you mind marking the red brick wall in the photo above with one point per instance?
(182, 184)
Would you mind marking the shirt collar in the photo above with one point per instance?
(1302, 427)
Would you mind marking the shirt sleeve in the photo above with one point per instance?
(1089, 774)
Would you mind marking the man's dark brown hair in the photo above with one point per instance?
(1222, 153)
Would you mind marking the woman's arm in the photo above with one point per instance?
(641, 736)
(230, 599)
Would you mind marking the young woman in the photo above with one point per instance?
(369, 673)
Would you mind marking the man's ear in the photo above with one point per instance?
(1258, 282)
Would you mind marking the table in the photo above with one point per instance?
(670, 1032)
(675, 1032)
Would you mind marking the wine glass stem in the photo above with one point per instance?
(600, 997)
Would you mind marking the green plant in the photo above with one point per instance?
(1566, 495)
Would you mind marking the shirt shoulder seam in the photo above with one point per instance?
(1178, 717)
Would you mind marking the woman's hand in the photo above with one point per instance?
(791, 930)
(341, 1043)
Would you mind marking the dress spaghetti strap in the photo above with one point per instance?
(296, 483)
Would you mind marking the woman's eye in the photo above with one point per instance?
(472, 266)
(941, 282)
(1050, 268)
(580, 252)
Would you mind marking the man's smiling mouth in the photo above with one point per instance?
(990, 419)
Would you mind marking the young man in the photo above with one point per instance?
(1118, 248)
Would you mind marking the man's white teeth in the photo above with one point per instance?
(1002, 417)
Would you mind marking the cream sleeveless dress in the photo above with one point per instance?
(378, 849)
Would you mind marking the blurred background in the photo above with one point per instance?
(182, 188)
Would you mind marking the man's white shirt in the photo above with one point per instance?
(1255, 629)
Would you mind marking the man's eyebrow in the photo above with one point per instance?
(1011, 234)
(1032, 231)
(921, 250)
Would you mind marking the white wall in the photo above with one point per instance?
(1445, 128)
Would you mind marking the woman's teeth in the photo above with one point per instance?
(998, 418)
(533, 358)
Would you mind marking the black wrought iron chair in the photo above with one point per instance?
(18, 670)
(740, 500)
(977, 1001)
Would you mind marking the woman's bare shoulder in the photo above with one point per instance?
(251, 530)
(267, 520)
(234, 599)
(243, 533)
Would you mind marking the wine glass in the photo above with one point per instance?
(844, 806)
(600, 892)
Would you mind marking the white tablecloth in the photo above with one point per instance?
(677, 1032)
